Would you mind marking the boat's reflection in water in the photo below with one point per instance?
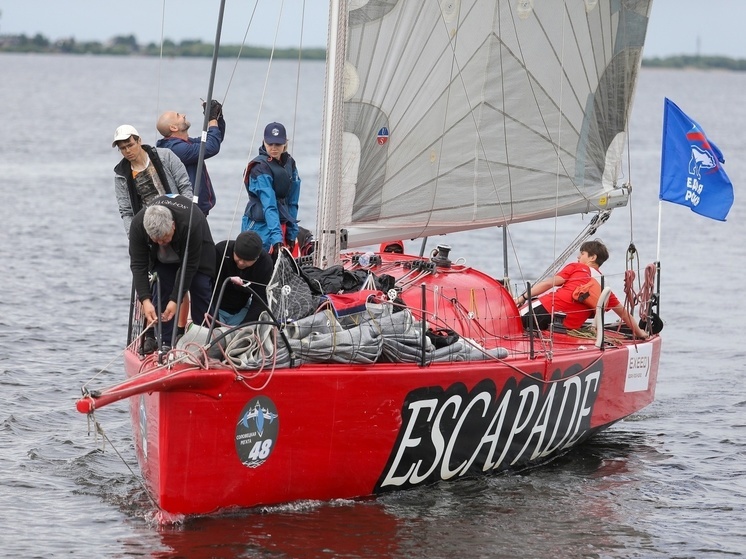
(435, 521)
(592, 497)
(336, 529)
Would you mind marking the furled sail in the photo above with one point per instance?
(459, 114)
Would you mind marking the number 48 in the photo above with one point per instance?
(261, 450)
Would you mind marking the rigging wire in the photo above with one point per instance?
(629, 163)
(99, 430)
(255, 134)
(160, 64)
(239, 192)
(459, 69)
(240, 51)
(300, 59)
(266, 81)
(560, 104)
(200, 164)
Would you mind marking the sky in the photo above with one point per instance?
(707, 27)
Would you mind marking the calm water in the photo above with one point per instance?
(668, 482)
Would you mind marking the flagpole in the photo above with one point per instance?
(660, 221)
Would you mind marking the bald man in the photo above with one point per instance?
(174, 128)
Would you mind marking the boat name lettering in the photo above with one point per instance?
(453, 432)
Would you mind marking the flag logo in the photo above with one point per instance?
(691, 167)
(701, 158)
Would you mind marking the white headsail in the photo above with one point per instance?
(464, 114)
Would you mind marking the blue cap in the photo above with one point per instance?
(274, 133)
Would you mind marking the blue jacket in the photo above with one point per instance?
(274, 193)
(188, 152)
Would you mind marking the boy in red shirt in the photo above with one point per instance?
(574, 275)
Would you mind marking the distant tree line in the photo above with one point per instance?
(694, 61)
(127, 45)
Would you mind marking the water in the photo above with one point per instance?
(667, 482)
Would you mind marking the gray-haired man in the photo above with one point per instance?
(160, 236)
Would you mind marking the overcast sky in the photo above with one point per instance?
(710, 27)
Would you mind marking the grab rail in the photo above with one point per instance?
(599, 319)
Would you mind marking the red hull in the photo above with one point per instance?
(340, 428)
(214, 439)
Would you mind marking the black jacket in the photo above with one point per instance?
(201, 249)
(235, 297)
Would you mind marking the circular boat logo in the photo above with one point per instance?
(256, 431)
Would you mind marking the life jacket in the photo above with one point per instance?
(282, 182)
(588, 293)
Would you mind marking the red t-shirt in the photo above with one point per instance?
(575, 275)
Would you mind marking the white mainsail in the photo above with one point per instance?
(456, 115)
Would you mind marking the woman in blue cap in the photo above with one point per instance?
(273, 184)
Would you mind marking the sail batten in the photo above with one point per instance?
(472, 113)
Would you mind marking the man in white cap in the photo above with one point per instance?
(144, 173)
(273, 184)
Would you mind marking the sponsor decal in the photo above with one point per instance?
(170, 200)
(454, 432)
(256, 431)
(638, 367)
(383, 136)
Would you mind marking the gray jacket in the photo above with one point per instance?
(171, 171)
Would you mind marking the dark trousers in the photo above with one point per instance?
(200, 291)
(536, 318)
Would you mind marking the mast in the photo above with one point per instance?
(208, 102)
(200, 158)
(330, 175)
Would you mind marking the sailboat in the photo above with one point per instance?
(439, 117)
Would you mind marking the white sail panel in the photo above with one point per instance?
(468, 115)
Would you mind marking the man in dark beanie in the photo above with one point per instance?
(246, 260)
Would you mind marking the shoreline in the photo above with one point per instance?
(189, 48)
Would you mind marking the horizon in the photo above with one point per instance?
(150, 21)
(54, 40)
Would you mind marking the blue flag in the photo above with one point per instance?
(691, 167)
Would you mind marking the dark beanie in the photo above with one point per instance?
(248, 245)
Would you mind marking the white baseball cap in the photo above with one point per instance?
(123, 133)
